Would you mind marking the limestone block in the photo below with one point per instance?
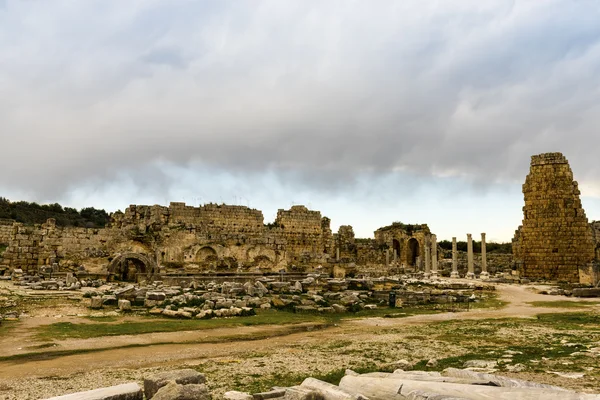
(124, 305)
(235, 395)
(96, 303)
(181, 377)
(127, 391)
(173, 391)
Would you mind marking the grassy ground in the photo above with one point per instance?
(560, 342)
(564, 304)
(107, 327)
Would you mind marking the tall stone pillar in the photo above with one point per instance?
(395, 255)
(434, 258)
(427, 264)
(454, 273)
(337, 254)
(484, 273)
(470, 267)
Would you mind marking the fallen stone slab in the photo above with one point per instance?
(173, 391)
(497, 380)
(302, 393)
(386, 389)
(154, 382)
(235, 395)
(127, 391)
(273, 394)
(331, 392)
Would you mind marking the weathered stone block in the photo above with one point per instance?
(127, 391)
(173, 391)
(182, 377)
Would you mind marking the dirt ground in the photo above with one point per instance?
(236, 363)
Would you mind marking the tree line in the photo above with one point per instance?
(490, 247)
(33, 213)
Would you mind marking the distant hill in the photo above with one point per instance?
(33, 213)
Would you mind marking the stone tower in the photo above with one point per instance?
(555, 241)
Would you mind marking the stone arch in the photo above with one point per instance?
(131, 266)
(205, 253)
(395, 248)
(414, 251)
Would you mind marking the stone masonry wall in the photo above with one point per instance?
(555, 238)
(5, 230)
(183, 239)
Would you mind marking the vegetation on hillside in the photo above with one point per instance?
(33, 213)
(490, 247)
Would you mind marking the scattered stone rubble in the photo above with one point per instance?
(313, 294)
(451, 384)
(185, 384)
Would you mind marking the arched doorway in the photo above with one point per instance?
(396, 249)
(413, 252)
(205, 254)
(130, 267)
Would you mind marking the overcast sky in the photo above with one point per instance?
(369, 111)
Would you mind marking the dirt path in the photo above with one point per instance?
(182, 347)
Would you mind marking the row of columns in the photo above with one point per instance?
(470, 265)
(431, 258)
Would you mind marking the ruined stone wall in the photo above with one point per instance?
(5, 230)
(179, 239)
(31, 247)
(555, 238)
(303, 233)
(370, 253)
(407, 242)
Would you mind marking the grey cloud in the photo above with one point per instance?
(320, 93)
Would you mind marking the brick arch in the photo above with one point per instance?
(144, 264)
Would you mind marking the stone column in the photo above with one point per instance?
(470, 267)
(434, 259)
(484, 272)
(337, 254)
(427, 265)
(395, 255)
(454, 273)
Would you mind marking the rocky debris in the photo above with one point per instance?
(482, 364)
(153, 383)
(316, 293)
(124, 305)
(174, 391)
(586, 292)
(127, 391)
(96, 303)
(452, 384)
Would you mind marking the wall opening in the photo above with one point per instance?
(413, 251)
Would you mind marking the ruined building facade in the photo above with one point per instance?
(146, 241)
(555, 242)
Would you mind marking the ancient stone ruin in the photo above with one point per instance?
(147, 241)
(555, 241)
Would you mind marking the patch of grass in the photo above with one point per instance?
(570, 321)
(65, 330)
(283, 331)
(262, 383)
(105, 326)
(563, 304)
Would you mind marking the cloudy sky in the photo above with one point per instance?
(371, 112)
